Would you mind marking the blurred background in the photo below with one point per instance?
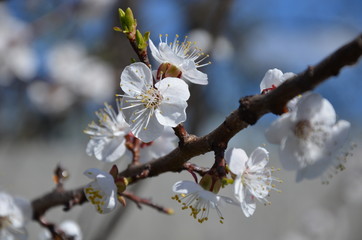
(61, 60)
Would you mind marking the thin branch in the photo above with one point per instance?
(191, 167)
(139, 201)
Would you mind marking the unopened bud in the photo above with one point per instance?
(168, 70)
(128, 23)
(141, 40)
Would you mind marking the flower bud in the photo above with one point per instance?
(142, 40)
(168, 70)
(128, 22)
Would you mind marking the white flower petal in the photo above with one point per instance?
(135, 77)
(186, 187)
(171, 114)
(210, 196)
(110, 150)
(155, 53)
(14, 213)
(271, 77)
(25, 207)
(236, 159)
(154, 130)
(259, 158)
(92, 173)
(106, 182)
(248, 205)
(239, 188)
(102, 192)
(173, 88)
(289, 150)
(190, 73)
(168, 55)
(71, 229)
(279, 128)
(315, 108)
(286, 76)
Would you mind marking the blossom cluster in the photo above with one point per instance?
(251, 179)
(155, 101)
(152, 103)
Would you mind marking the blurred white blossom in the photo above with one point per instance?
(220, 48)
(70, 228)
(50, 98)
(309, 136)
(14, 213)
(70, 65)
(17, 58)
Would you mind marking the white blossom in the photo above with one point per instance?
(107, 141)
(69, 228)
(309, 137)
(14, 213)
(102, 191)
(159, 147)
(17, 58)
(70, 65)
(192, 196)
(147, 108)
(184, 55)
(272, 79)
(253, 179)
(50, 98)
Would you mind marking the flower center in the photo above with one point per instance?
(151, 98)
(303, 129)
(199, 207)
(95, 197)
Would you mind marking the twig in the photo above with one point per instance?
(181, 133)
(194, 168)
(139, 201)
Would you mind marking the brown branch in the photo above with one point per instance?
(250, 110)
(55, 198)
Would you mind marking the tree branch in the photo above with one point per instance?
(251, 109)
